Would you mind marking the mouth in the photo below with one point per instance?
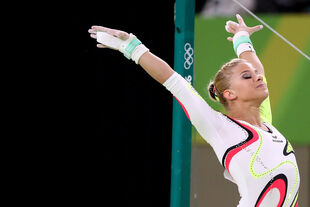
(262, 85)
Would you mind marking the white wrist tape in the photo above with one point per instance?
(239, 34)
(242, 43)
(131, 48)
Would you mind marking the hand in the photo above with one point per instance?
(116, 33)
(233, 27)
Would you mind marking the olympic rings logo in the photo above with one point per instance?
(188, 56)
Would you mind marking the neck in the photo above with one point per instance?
(246, 112)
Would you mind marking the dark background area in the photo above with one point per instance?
(129, 154)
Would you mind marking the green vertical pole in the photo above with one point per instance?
(181, 127)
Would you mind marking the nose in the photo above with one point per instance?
(259, 77)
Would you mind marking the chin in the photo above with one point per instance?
(263, 95)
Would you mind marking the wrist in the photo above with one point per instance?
(132, 48)
(239, 34)
(138, 52)
(242, 43)
(244, 47)
(129, 45)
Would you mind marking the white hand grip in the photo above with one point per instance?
(109, 40)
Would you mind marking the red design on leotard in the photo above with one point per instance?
(183, 107)
(232, 151)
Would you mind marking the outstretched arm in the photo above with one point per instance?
(156, 67)
(132, 48)
(202, 116)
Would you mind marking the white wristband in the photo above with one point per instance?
(138, 52)
(243, 48)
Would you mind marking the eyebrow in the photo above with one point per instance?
(245, 71)
(248, 71)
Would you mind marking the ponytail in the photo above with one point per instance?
(212, 92)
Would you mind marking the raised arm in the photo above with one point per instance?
(244, 49)
(241, 29)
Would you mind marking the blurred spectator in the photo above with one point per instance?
(278, 6)
(213, 8)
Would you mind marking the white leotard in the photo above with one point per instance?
(261, 163)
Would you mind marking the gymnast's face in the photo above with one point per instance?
(246, 85)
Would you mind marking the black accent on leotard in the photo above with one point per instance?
(250, 136)
(280, 176)
(285, 149)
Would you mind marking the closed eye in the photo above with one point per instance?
(246, 76)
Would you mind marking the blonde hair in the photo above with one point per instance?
(221, 81)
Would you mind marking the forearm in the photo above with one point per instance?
(155, 67)
(244, 49)
(254, 60)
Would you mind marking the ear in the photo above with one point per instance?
(229, 94)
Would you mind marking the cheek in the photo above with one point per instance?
(244, 90)
(241, 87)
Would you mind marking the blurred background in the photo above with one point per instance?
(132, 113)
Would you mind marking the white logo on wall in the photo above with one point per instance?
(189, 78)
(188, 56)
(188, 60)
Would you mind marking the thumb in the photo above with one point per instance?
(230, 39)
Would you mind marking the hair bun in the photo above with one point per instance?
(211, 90)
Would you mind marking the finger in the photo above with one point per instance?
(230, 39)
(230, 30)
(232, 25)
(116, 33)
(101, 46)
(227, 28)
(92, 31)
(240, 20)
(100, 28)
(93, 36)
(96, 29)
(256, 28)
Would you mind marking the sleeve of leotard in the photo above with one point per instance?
(265, 109)
(202, 116)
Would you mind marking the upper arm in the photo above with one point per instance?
(202, 116)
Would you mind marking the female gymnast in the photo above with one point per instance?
(255, 155)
